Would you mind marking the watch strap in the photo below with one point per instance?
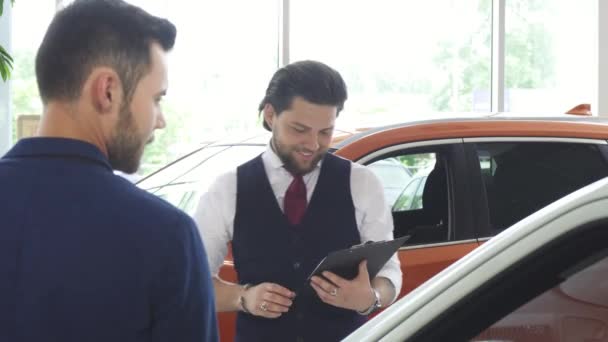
(375, 306)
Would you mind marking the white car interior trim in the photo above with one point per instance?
(416, 309)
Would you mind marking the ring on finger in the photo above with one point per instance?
(264, 306)
(334, 292)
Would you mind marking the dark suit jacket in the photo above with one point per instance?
(87, 256)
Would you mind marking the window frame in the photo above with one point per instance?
(461, 227)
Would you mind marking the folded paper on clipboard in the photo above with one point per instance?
(345, 262)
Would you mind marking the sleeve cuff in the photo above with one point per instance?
(395, 277)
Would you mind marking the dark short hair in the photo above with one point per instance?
(314, 81)
(91, 33)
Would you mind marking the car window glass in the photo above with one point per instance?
(419, 203)
(393, 175)
(523, 177)
(396, 173)
(417, 200)
(228, 159)
(575, 310)
(184, 196)
(194, 174)
(406, 199)
(177, 168)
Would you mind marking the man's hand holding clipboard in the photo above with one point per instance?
(343, 278)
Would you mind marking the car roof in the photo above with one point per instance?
(345, 133)
(382, 120)
(554, 121)
(591, 128)
(522, 238)
(438, 126)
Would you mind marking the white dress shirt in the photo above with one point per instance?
(217, 208)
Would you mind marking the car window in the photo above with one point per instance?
(398, 173)
(393, 175)
(411, 197)
(419, 203)
(417, 200)
(523, 177)
(184, 196)
(575, 310)
(176, 169)
(187, 180)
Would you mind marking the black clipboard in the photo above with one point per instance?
(345, 262)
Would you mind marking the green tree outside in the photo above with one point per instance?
(465, 62)
(529, 56)
(26, 100)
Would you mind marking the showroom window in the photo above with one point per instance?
(550, 54)
(218, 71)
(400, 59)
(30, 20)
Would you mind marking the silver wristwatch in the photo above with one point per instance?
(377, 305)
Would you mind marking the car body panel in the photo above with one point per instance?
(421, 263)
(227, 320)
(413, 312)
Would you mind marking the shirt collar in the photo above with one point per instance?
(58, 147)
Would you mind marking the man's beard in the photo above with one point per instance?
(126, 147)
(289, 162)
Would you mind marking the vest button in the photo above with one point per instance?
(296, 265)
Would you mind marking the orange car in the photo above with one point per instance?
(451, 183)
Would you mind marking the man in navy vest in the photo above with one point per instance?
(84, 254)
(288, 208)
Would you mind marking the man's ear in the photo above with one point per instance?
(106, 90)
(269, 115)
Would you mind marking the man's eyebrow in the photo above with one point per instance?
(301, 125)
(162, 93)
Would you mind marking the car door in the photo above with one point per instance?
(557, 293)
(522, 175)
(432, 205)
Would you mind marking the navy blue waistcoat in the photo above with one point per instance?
(267, 248)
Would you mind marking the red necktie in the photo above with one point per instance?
(294, 203)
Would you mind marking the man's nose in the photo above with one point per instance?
(312, 142)
(160, 122)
